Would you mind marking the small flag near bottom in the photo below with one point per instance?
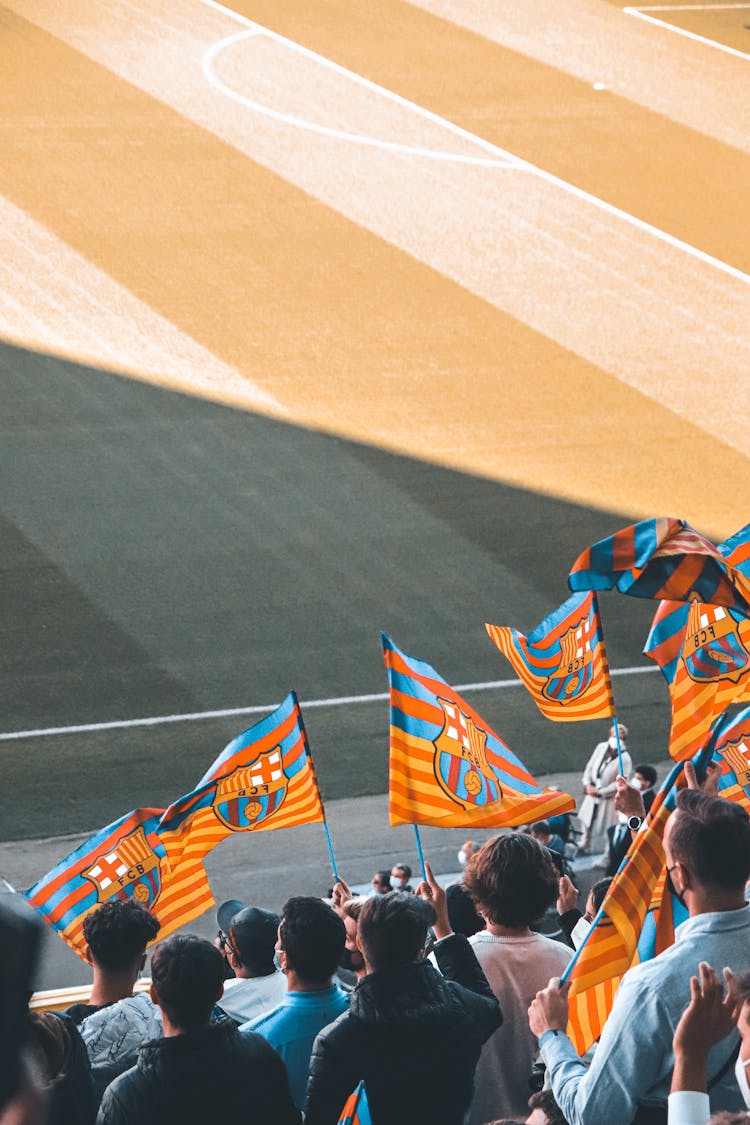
(356, 1111)
(563, 663)
(447, 766)
(127, 859)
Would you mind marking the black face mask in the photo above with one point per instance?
(673, 889)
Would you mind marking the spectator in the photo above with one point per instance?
(544, 1111)
(620, 836)
(544, 835)
(575, 925)
(247, 941)
(597, 811)
(708, 1019)
(199, 1071)
(114, 1035)
(381, 883)
(466, 851)
(512, 882)
(310, 943)
(405, 1018)
(400, 876)
(707, 849)
(64, 1069)
(352, 958)
(462, 912)
(116, 934)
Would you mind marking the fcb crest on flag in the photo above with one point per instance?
(562, 663)
(461, 766)
(713, 648)
(447, 766)
(131, 870)
(251, 794)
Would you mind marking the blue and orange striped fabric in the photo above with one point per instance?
(356, 1111)
(563, 662)
(447, 766)
(636, 920)
(662, 558)
(263, 779)
(703, 651)
(127, 859)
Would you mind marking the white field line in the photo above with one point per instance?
(339, 701)
(640, 14)
(324, 130)
(488, 146)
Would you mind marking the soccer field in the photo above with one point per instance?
(323, 319)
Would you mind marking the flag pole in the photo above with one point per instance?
(420, 853)
(619, 745)
(605, 661)
(303, 728)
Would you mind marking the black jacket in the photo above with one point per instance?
(414, 1036)
(211, 1075)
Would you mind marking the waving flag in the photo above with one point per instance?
(447, 766)
(263, 779)
(704, 653)
(356, 1111)
(639, 914)
(662, 558)
(563, 662)
(636, 921)
(125, 860)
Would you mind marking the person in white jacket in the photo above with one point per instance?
(597, 812)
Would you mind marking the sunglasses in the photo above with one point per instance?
(225, 943)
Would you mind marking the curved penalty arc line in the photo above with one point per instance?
(208, 67)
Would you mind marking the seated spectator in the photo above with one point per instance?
(247, 941)
(311, 940)
(381, 883)
(575, 925)
(400, 876)
(199, 1071)
(64, 1069)
(412, 1035)
(512, 882)
(709, 1017)
(542, 832)
(351, 958)
(116, 934)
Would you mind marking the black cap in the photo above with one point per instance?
(252, 932)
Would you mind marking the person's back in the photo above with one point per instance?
(512, 882)
(412, 1034)
(311, 941)
(199, 1070)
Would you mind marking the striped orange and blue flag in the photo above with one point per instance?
(636, 920)
(662, 558)
(703, 651)
(127, 859)
(264, 779)
(356, 1111)
(563, 662)
(447, 766)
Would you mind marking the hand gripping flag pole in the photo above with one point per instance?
(334, 868)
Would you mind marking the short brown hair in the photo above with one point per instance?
(512, 880)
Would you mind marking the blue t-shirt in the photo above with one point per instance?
(291, 1030)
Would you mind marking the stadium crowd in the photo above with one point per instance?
(446, 1005)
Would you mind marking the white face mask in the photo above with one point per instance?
(636, 783)
(580, 930)
(612, 742)
(740, 1073)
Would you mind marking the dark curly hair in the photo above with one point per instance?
(512, 880)
(118, 932)
(188, 975)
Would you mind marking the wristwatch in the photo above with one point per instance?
(634, 823)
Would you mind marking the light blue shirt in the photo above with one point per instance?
(291, 1030)
(633, 1061)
